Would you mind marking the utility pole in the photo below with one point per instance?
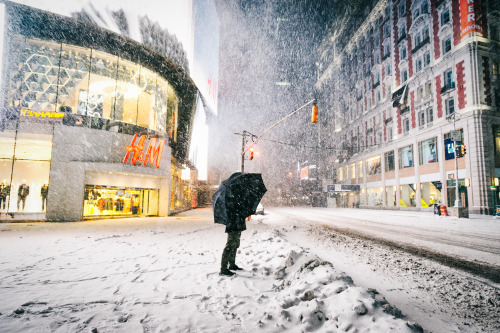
(458, 202)
(243, 134)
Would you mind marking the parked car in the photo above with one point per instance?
(259, 210)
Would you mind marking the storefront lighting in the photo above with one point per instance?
(496, 182)
(467, 182)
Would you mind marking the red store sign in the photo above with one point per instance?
(153, 152)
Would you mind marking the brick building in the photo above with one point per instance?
(394, 85)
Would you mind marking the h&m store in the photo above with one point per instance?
(93, 124)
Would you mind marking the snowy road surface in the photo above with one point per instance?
(476, 238)
(161, 275)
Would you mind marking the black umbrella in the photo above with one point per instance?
(238, 196)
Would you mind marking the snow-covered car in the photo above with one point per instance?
(260, 209)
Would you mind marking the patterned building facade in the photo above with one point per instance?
(395, 89)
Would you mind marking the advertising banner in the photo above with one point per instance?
(470, 17)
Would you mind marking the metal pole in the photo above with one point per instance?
(458, 202)
(493, 200)
(243, 151)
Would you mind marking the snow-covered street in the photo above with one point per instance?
(161, 275)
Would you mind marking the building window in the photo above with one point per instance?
(402, 31)
(421, 118)
(445, 16)
(402, 9)
(450, 106)
(418, 65)
(448, 78)
(425, 7)
(447, 45)
(427, 151)
(373, 166)
(425, 33)
(404, 75)
(386, 30)
(389, 134)
(420, 93)
(403, 52)
(418, 39)
(389, 160)
(405, 156)
(416, 13)
(427, 58)
(388, 69)
(406, 125)
(428, 88)
(430, 115)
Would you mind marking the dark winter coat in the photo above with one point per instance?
(236, 224)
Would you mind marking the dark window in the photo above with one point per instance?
(445, 17)
(389, 160)
(447, 45)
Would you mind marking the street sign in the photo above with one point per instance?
(455, 136)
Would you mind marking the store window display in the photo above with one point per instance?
(106, 201)
(24, 169)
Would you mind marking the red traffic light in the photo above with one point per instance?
(314, 118)
(251, 153)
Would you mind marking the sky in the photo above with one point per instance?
(263, 43)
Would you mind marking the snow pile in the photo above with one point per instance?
(310, 294)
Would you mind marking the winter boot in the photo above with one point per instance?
(235, 267)
(226, 272)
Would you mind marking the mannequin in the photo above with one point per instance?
(4, 193)
(22, 193)
(43, 193)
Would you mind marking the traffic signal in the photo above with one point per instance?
(464, 150)
(251, 153)
(458, 151)
(314, 118)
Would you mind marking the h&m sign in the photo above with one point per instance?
(153, 152)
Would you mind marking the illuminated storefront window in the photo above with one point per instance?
(430, 193)
(56, 77)
(374, 196)
(24, 171)
(373, 166)
(407, 195)
(390, 192)
(106, 201)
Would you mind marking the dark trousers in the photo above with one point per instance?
(232, 245)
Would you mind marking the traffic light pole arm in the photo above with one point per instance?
(280, 121)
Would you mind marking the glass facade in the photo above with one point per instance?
(106, 201)
(111, 91)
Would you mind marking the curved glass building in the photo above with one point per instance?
(92, 123)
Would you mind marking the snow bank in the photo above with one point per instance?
(309, 294)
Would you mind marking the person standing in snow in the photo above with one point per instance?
(234, 227)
